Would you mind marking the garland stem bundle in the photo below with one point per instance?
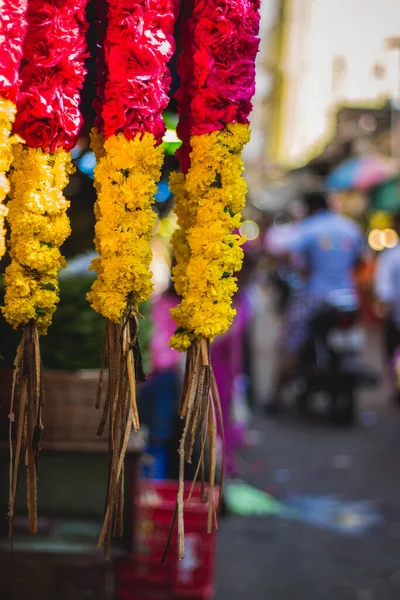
(217, 72)
(201, 409)
(121, 411)
(27, 400)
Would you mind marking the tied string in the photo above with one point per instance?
(25, 427)
(122, 350)
(201, 410)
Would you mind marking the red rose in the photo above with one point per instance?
(236, 82)
(35, 77)
(45, 134)
(8, 71)
(47, 49)
(54, 34)
(41, 13)
(251, 21)
(210, 32)
(113, 114)
(244, 109)
(163, 6)
(161, 25)
(154, 125)
(202, 65)
(210, 111)
(13, 27)
(126, 28)
(134, 62)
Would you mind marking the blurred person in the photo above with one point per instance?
(326, 247)
(286, 272)
(228, 360)
(387, 290)
(159, 395)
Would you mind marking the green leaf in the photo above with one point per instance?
(48, 286)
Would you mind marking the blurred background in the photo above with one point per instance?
(309, 373)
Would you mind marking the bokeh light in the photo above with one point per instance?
(250, 229)
(391, 238)
(376, 240)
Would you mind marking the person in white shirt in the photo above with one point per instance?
(387, 289)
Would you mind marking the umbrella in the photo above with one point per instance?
(361, 173)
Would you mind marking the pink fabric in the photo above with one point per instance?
(162, 356)
(228, 363)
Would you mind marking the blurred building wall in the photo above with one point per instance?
(264, 121)
(333, 52)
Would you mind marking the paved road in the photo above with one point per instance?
(262, 558)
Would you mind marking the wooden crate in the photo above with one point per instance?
(69, 414)
(62, 576)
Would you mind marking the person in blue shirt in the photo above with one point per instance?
(387, 290)
(329, 246)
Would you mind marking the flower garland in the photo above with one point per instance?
(217, 70)
(49, 120)
(137, 46)
(12, 32)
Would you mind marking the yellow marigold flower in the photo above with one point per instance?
(125, 178)
(39, 226)
(181, 341)
(7, 116)
(208, 252)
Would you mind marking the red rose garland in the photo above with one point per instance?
(48, 119)
(55, 48)
(217, 70)
(12, 33)
(216, 67)
(133, 86)
(138, 46)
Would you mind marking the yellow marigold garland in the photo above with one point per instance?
(7, 116)
(126, 178)
(208, 204)
(39, 226)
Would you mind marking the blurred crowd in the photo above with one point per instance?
(310, 285)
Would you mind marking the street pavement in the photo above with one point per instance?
(278, 558)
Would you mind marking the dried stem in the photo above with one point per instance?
(120, 409)
(212, 436)
(25, 428)
(200, 407)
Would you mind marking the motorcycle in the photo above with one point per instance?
(331, 364)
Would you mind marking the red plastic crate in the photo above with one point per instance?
(139, 593)
(144, 577)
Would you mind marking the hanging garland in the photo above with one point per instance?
(12, 32)
(217, 70)
(138, 44)
(49, 120)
